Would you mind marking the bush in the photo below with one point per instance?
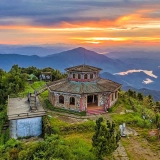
(131, 118)
(153, 138)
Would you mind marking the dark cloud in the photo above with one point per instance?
(49, 12)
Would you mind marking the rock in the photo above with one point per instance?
(129, 111)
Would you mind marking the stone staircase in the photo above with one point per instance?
(95, 111)
(33, 102)
(44, 88)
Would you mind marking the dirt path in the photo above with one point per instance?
(120, 153)
(139, 148)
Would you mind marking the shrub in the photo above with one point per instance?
(153, 138)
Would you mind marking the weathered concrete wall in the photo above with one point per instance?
(113, 98)
(84, 102)
(29, 127)
(26, 127)
(103, 100)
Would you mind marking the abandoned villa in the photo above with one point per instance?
(84, 90)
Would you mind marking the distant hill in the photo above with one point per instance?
(43, 50)
(143, 63)
(63, 60)
(133, 54)
(8, 60)
(144, 91)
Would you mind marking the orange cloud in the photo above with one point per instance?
(131, 29)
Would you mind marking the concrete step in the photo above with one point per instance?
(95, 111)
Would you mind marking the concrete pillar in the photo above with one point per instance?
(13, 129)
(93, 99)
(86, 102)
(76, 75)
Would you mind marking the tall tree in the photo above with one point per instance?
(105, 139)
(140, 96)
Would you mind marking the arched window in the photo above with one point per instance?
(61, 99)
(85, 76)
(72, 100)
(116, 95)
(91, 76)
(112, 97)
(79, 76)
(73, 75)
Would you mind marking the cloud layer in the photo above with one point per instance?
(133, 22)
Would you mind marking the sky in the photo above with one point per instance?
(102, 23)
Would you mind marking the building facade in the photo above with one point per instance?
(25, 116)
(84, 90)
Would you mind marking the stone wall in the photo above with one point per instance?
(103, 100)
(66, 104)
(84, 104)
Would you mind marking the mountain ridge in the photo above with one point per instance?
(63, 60)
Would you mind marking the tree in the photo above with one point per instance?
(105, 140)
(150, 98)
(140, 96)
(130, 92)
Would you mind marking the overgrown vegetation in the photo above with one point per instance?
(14, 83)
(137, 110)
(63, 140)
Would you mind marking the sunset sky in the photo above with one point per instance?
(134, 23)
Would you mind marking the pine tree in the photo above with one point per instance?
(140, 96)
(105, 140)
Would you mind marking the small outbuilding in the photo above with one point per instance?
(25, 116)
(32, 78)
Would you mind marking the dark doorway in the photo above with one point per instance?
(61, 99)
(72, 101)
(92, 100)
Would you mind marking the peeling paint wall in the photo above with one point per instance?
(114, 98)
(26, 127)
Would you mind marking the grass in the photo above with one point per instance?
(56, 122)
(44, 95)
(64, 128)
(38, 84)
(86, 136)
